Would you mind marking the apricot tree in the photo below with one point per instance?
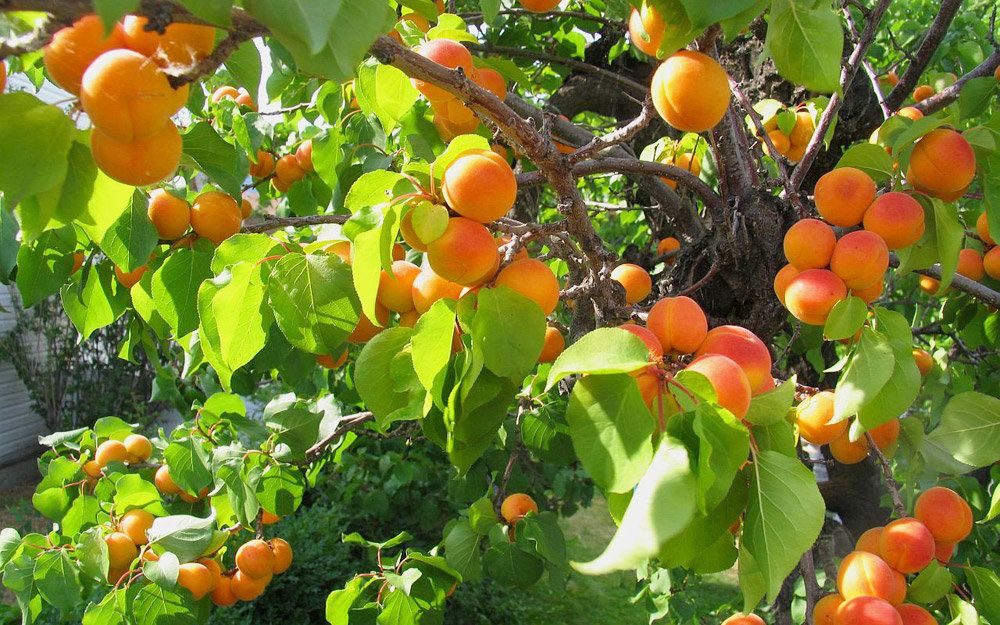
(732, 260)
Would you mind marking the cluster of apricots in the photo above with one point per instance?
(792, 145)
(120, 79)
(871, 581)
(134, 449)
(257, 562)
(972, 264)
(991, 260)
(813, 416)
(227, 92)
(285, 170)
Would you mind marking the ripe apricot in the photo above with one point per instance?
(782, 279)
(247, 588)
(679, 323)
(225, 92)
(868, 611)
(843, 195)
(553, 345)
(869, 541)
(121, 551)
(246, 100)
(744, 348)
(906, 545)
(860, 259)
(991, 263)
(288, 171)
(813, 416)
(128, 96)
(803, 130)
(341, 249)
(139, 163)
(983, 228)
(780, 141)
(534, 280)
(871, 293)
(690, 91)
(809, 244)
(134, 524)
(255, 558)
(448, 53)
(684, 160)
(942, 164)
(924, 361)
(264, 166)
(164, 483)
(795, 153)
(667, 245)
(491, 80)
(416, 19)
(646, 336)
(78, 258)
(846, 451)
(428, 287)
(539, 6)
(92, 469)
(171, 216)
(915, 615)
(943, 552)
(811, 295)
(409, 319)
(910, 112)
(223, 595)
(516, 506)
(479, 185)
(636, 281)
(897, 218)
(465, 253)
(365, 330)
(886, 434)
(922, 92)
(110, 451)
(744, 619)
(215, 216)
(862, 574)
(970, 264)
(75, 47)
(196, 578)
(139, 448)
(825, 610)
(327, 361)
(129, 279)
(304, 155)
(213, 567)
(282, 555)
(395, 290)
(727, 378)
(180, 44)
(945, 513)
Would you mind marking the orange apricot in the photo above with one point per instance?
(871, 293)
(945, 513)
(924, 360)
(246, 100)
(866, 610)
(92, 469)
(744, 348)
(479, 185)
(287, 170)
(983, 228)
(365, 330)
(943, 552)
(264, 166)
(869, 541)
(110, 451)
(906, 545)
(691, 91)
(970, 264)
(341, 249)
(213, 567)
(731, 386)
(222, 595)
(225, 92)
(825, 610)
(171, 216)
(395, 290)
(164, 483)
(780, 141)
(782, 279)
(247, 588)
(409, 319)
(327, 361)
(553, 345)
(915, 615)
(803, 130)
(843, 195)
(282, 555)
(862, 574)
(646, 336)
(516, 506)
(539, 6)
(636, 281)
(860, 259)
(189, 498)
(942, 163)
(897, 218)
(139, 448)
(645, 29)
(991, 263)
(246, 208)
(910, 112)
(684, 160)
(795, 153)
(811, 294)
(744, 619)
(491, 80)
(667, 245)
(121, 551)
(138, 163)
(129, 279)
(448, 53)
(679, 323)
(846, 451)
(255, 558)
(922, 92)
(179, 44)
(215, 216)
(886, 435)
(75, 47)
(465, 253)
(534, 280)
(428, 287)
(809, 244)
(813, 416)
(304, 155)
(196, 578)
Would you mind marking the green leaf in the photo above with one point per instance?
(970, 429)
(186, 536)
(132, 237)
(772, 406)
(950, 234)
(976, 96)
(611, 429)
(155, 605)
(476, 418)
(865, 375)
(214, 11)
(385, 91)
(220, 160)
(109, 611)
(58, 580)
(724, 445)
(371, 253)
(189, 464)
(931, 584)
(99, 304)
(164, 571)
(806, 41)
(373, 372)
(280, 489)
(737, 23)
(846, 317)
(510, 330)
(510, 565)
(175, 288)
(64, 202)
(985, 592)
(706, 529)
(400, 609)
(662, 506)
(245, 65)
(542, 530)
(432, 340)
(340, 603)
(605, 350)
(131, 491)
(108, 201)
(44, 264)
(34, 143)
(461, 550)
(296, 427)
(704, 14)
(482, 516)
(111, 11)
(869, 158)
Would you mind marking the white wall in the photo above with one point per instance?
(19, 426)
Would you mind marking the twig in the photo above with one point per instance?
(621, 135)
(935, 34)
(277, 223)
(714, 269)
(890, 482)
(808, 569)
(976, 289)
(869, 70)
(346, 423)
(478, 16)
(948, 95)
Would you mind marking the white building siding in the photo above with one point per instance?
(19, 425)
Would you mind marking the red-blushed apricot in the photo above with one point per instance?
(365, 330)
(264, 166)
(282, 555)
(862, 574)
(866, 610)
(327, 361)
(983, 228)
(825, 610)
(129, 279)
(782, 279)
(255, 558)
(110, 451)
(886, 434)
(532, 279)
(164, 483)
(479, 185)
(991, 263)
(75, 47)
(247, 588)
(922, 92)
(553, 345)
(942, 163)
(860, 259)
(516, 506)
(744, 348)
(645, 29)
(92, 469)
(288, 171)
(667, 245)
(196, 578)
(897, 218)
(636, 281)
(171, 216)
(843, 195)
(491, 80)
(428, 287)
(648, 338)
(811, 294)
(871, 293)
(809, 244)
(464, 253)
(846, 451)
(727, 378)
(915, 615)
(906, 545)
(246, 100)
(395, 290)
(744, 619)
(679, 323)
(216, 216)
(180, 44)
(450, 54)
(813, 416)
(803, 130)
(304, 155)
(539, 6)
(128, 96)
(943, 552)
(222, 595)
(684, 160)
(139, 448)
(868, 541)
(134, 524)
(970, 264)
(690, 91)
(780, 141)
(138, 163)
(924, 360)
(945, 513)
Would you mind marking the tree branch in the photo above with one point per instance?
(345, 424)
(977, 290)
(890, 482)
(476, 17)
(621, 135)
(277, 223)
(935, 34)
(946, 96)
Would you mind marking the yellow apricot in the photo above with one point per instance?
(216, 216)
(809, 244)
(171, 216)
(534, 280)
(75, 47)
(678, 323)
(635, 280)
(138, 163)
(480, 185)
(690, 91)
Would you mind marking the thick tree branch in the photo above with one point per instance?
(935, 34)
(977, 290)
(946, 96)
